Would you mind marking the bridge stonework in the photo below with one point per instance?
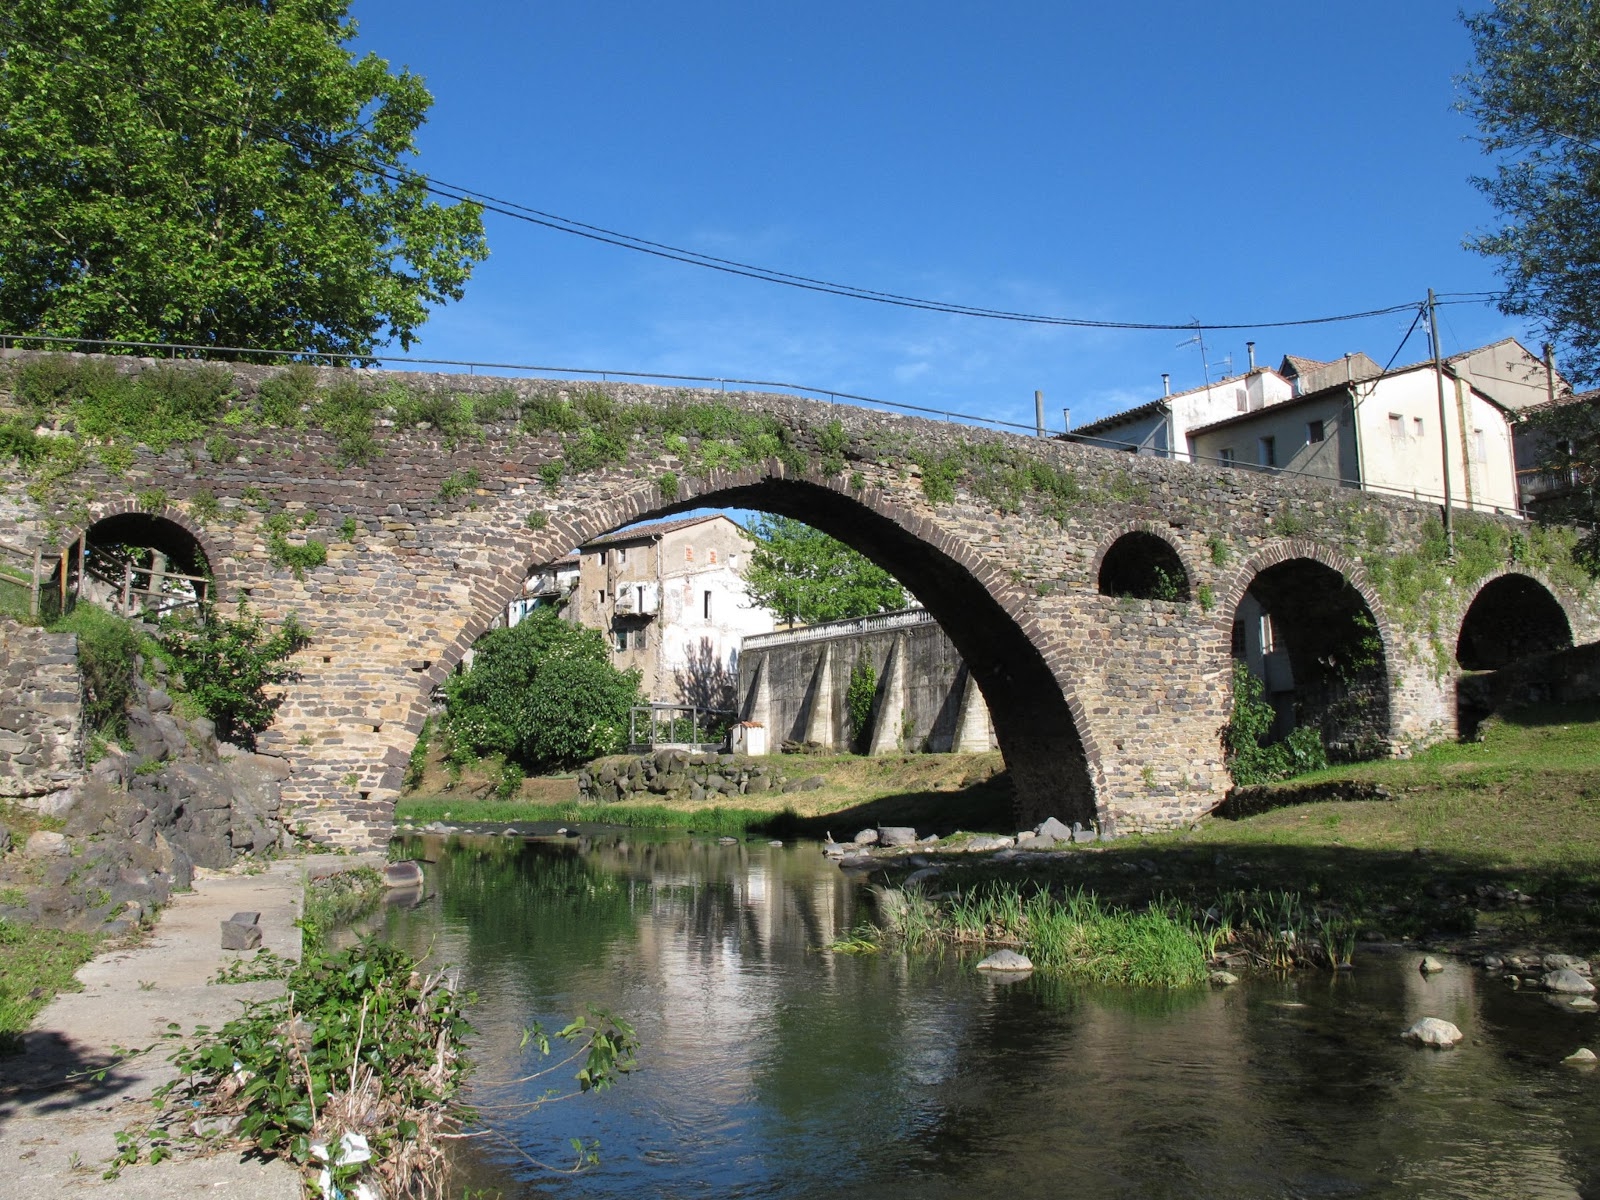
(1107, 709)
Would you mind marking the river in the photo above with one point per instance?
(771, 1067)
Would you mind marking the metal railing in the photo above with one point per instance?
(176, 350)
(658, 726)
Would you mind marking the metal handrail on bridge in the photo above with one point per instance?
(28, 576)
(173, 350)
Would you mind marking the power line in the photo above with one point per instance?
(398, 174)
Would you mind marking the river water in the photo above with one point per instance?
(769, 1067)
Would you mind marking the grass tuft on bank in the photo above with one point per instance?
(35, 964)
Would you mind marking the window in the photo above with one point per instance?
(1225, 456)
(688, 554)
(1267, 451)
(600, 597)
(707, 613)
(1416, 428)
(1241, 399)
(602, 558)
(622, 556)
(1480, 447)
(639, 638)
(711, 557)
(622, 639)
(1314, 432)
(1397, 426)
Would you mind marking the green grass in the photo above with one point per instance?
(336, 900)
(1524, 798)
(35, 964)
(1073, 935)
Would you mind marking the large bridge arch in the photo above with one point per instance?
(1025, 673)
(1510, 615)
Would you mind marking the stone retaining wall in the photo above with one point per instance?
(41, 712)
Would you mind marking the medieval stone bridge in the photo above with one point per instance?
(1099, 599)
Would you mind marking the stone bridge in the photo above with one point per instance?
(1098, 598)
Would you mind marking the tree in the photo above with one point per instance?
(543, 694)
(802, 574)
(1535, 95)
(216, 172)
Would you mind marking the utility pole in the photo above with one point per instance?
(1038, 413)
(1444, 429)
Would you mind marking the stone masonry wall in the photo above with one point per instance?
(1106, 709)
(41, 712)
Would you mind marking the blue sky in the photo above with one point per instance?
(1162, 161)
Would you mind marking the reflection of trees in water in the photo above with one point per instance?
(526, 898)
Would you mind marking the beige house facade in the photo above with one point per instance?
(670, 598)
(1383, 434)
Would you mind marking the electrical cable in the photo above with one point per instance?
(399, 174)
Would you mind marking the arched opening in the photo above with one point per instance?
(1145, 566)
(1030, 716)
(1511, 618)
(140, 563)
(1310, 637)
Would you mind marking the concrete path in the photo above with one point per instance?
(56, 1134)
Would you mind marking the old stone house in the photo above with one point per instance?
(670, 598)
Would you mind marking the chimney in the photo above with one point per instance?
(1166, 384)
(1250, 352)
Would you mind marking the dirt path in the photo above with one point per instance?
(56, 1135)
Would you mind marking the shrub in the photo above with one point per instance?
(1248, 759)
(543, 694)
(228, 665)
(858, 697)
(108, 647)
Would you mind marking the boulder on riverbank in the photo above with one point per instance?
(138, 822)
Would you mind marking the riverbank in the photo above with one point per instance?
(829, 793)
(58, 1121)
(1493, 844)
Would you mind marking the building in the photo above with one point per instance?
(670, 598)
(1162, 426)
(1381, 433)
(551, 584)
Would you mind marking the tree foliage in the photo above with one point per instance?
(543, 693)
(802, 574)
(215, 172)
(1535, 95)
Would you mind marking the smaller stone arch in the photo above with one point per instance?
(1512, 616)
(1141, 562)
(154, 545)
(1308, 624)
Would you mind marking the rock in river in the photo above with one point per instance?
(1005, 960)
(1431, 1031)
(1567, 982)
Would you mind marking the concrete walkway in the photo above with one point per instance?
(56, 1134)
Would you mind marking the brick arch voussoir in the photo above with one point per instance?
(123, 506)
(1118, 532)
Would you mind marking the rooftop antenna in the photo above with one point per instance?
(1199, 339)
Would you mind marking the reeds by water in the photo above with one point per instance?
(1077, 936)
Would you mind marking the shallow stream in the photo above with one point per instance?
(769, 1067)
